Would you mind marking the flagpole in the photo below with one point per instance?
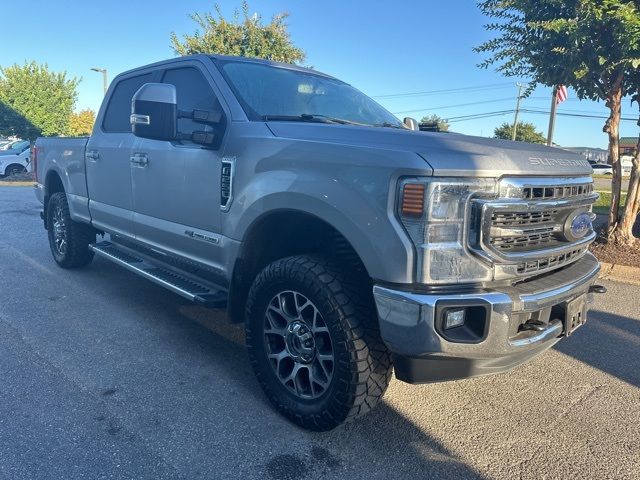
(552, 115)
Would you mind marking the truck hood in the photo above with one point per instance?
(448, 154)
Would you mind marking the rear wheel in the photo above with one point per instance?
(69, 241)
(314, 344)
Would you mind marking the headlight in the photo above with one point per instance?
(434, 213)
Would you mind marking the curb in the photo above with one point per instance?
(620, 273)
(16, 184)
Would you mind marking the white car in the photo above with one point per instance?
(602, 169)
(15, 160)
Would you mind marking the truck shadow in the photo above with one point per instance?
(380, 442)
(609, 343)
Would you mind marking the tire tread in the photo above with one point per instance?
(79, 236)
(370, 361)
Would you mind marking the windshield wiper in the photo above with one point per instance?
(388, 125)
(307, 117)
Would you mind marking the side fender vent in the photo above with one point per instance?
(226, 182)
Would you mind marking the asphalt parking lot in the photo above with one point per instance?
(105, 375)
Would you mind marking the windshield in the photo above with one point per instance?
(275, 93)
(19, 145)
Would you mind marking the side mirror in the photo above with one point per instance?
(154, 112)
(411, 123)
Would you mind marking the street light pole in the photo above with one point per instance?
(105, 83)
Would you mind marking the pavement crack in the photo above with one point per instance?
(583, 398)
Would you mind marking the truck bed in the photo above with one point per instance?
(64, 156)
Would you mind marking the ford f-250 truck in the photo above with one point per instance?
(349, 243)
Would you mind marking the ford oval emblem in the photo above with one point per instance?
(578, 226)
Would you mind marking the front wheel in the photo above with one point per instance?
(313, 342)
(14, 170)
(69, 241)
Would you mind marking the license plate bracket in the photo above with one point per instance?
(576, 314)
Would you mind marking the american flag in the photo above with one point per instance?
(561, 94)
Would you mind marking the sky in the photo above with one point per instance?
(386, 49)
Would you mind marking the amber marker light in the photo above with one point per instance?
(413, 200)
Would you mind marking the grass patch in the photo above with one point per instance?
(609, 177)
(603, 203)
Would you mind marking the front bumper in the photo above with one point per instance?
(421, 354)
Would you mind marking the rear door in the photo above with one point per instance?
(108, 159)
(176, 185)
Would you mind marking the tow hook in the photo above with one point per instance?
(535, 325)
(597, 289)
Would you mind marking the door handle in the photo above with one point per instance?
(92, 155)
(140, 159)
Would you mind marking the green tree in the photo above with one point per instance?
(592, 46)
(526, 132)
(244, 36)
(440, 123)
(35, 101)
(81, 123)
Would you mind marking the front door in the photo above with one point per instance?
(107, 160)
(176, 185)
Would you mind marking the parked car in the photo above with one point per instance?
(348, 243)
(602, 169)
(15, 147)
(16, 159)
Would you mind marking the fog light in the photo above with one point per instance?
(453, 318)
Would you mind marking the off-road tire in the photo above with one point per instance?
(78, 236)
(362, 367)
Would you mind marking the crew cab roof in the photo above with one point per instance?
(227, 58)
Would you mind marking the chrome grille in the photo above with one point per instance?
(553, 261)
(522, 219)
(524, 229)
(562, 191)
(529, 239)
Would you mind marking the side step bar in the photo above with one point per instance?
(182, 284)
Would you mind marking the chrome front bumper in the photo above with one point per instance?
(421, 354)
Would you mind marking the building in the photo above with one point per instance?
(597, 155)
(628, 146)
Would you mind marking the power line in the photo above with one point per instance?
(475, 116)
(497, 100)
(578, 115)
(443, 107)
(445, 91)
(479, 115)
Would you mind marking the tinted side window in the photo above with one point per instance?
(116, 117)
(194, 93)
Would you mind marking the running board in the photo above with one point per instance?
(182, 284)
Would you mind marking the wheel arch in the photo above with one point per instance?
(16, 164)
(52, 184)
(282, 233)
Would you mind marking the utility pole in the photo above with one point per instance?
(515, 120)
(552, 116)
(105, 83)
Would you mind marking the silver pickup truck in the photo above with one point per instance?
(349, 243)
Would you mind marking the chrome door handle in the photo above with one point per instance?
(92, 155)
(140, 159)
